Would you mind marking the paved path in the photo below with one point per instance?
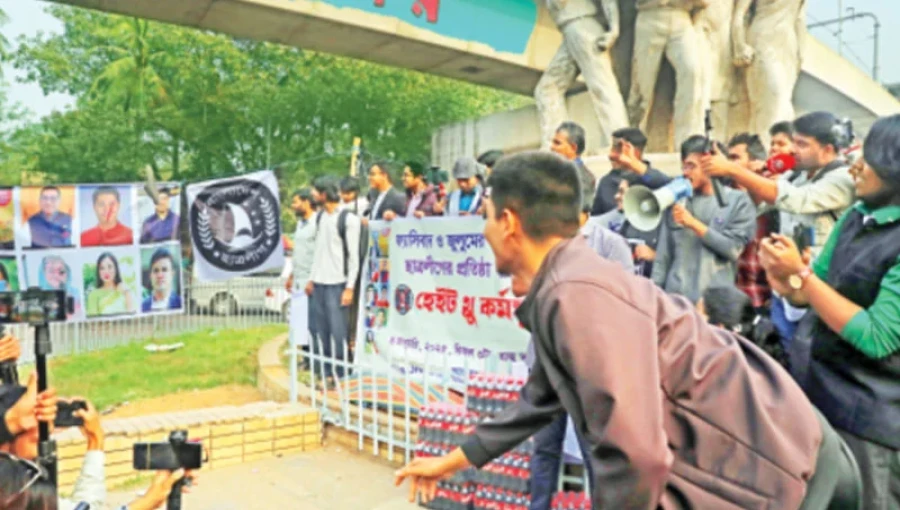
(328, 479)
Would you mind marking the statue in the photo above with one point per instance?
(719, 91)
(589, 29)
(666, 28)
(771, 51)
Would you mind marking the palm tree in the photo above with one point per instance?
(130, 81)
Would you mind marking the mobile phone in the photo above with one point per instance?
(64, 414)
(167, 456)
(804, 237)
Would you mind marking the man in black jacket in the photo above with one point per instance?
(382, 195)
(627, 157)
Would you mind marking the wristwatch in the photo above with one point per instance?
(796, 281)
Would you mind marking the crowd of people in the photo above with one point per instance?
(785, 396)
(741, 354)
(801, 257)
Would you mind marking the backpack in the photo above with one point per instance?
(342, 231)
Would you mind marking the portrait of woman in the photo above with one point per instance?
(55, 274)
(110, 295)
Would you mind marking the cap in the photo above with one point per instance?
(466, 168)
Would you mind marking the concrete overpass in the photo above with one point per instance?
(500, 43)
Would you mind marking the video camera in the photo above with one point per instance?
(176, 453)
(37, 308)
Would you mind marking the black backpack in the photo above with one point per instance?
(342, 231)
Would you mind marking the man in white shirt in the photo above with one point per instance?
(301, 319)
(332, 277)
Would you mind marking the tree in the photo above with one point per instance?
(196, 104)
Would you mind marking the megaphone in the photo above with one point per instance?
(781, 163)
(644, 208)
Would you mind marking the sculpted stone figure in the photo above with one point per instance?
(589, 29)
(714, 25)
(665, 28)
(770, 49)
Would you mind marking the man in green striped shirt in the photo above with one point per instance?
(853, 288)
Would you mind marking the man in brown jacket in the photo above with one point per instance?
(677, 414)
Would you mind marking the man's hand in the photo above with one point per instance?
(10, 349)
(439, 207)
(309, 288)
(92, 430)
(744, 55)
(425, 472)
(628, 159)
(364, 221)
(644, 252)
(419, 214)
(780, 257)
(160, 488)
(389, 215)
(716, 164)
(682, 216)
(31, 408)
(606, 41)
(289, 284)
(347, 297)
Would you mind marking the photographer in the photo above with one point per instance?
(853, 369)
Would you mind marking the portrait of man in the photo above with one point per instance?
(50, 220)
(106, 202)
(162, 224)
(161, 281)
(370, 295)
(403, 299)
(383, 296)
(381, 318)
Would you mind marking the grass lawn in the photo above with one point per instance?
(209, 359)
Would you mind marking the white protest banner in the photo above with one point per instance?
(235, 226)
(431, 294)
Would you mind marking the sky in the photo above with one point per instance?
(27, 17)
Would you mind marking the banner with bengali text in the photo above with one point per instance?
(431, 296)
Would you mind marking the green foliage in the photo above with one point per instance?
(195, 104)
(209, 359)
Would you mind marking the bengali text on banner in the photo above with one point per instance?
(431, 296)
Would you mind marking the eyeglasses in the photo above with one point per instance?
(36, 470)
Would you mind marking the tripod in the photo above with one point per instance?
(46, 446)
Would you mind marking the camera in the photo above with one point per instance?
(175, 454)
(34, 306)
(65, 414)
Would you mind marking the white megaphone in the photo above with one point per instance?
(644, 208)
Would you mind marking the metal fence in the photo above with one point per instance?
(380, 404)
(235, 304)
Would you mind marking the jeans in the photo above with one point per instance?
(835, 484)
(545, 462)
(330, 323)
(880, 469)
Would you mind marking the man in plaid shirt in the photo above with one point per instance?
(748, 151)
